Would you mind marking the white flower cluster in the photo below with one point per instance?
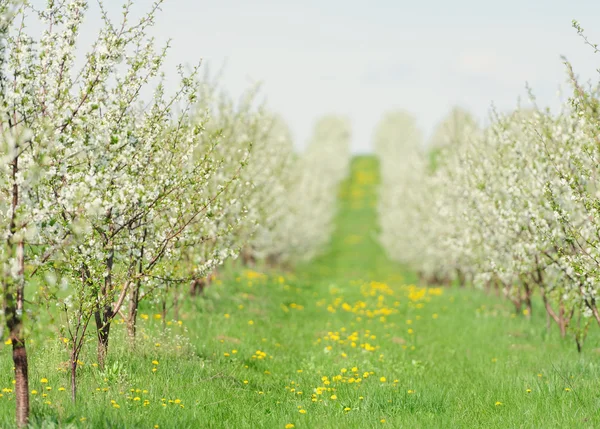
(514, 206)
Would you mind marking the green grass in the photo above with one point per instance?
(466, 353)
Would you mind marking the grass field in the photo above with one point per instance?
(347, 341)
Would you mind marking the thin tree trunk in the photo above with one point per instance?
(13, 291)
(247, 258)
(104, 313)
(497, 287)
(103, 332)
(518, 305)
(197, 286)
(74, 374)
(561, 318)
(134, 299)
(134, 295)
(164, 307)
(528, 293)
(21, 378)
(13, 310)
(461, 278)
(176, 303)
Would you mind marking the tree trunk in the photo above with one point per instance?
(104, 313)
(103, 329)
(561, 318)
(13, 309)
(247, 258)
(73, 375)
(21, 379)
(134, 300)
(176, 303)
(134, 296)
(528, 293)
(461, 278)
(164, 308)
(518, 305)
(497, 287)
(197, 286)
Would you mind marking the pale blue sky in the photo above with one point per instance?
(362, 58)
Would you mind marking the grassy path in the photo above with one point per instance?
(354, 251)
(345, 342)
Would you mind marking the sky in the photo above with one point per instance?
(363, 58)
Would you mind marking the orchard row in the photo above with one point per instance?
(113, 188)
(512, 207)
